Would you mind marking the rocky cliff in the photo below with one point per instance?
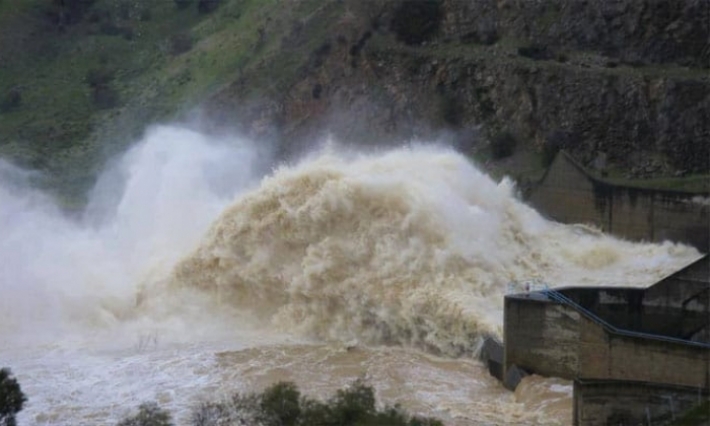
(623, 85)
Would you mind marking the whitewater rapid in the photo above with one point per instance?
(194, 274)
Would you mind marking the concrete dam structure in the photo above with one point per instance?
(636, 355)
(569, 193)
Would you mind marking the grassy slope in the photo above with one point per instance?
(59, 129)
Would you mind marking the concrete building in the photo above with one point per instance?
(569, 193)
(637, 356)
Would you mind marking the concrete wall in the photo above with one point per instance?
(678, 306)
(620, 377)
(634, 402)
(608, 356)
(686, 289)
(541, 337)
(569, 194)
(555, 340)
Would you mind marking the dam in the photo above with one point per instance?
(570, 193)
(635, 355)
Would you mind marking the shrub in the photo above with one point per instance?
(536, 52)
(317, 91)
(283, 405)
(319, 55)
(102, 94)
(451, 110)
(105, 97)
(503, 145)
(183, 4)
(354, 404)
(68, 12)
(11, 398)
(149, 414)
(12, 100)
(207, 6)
(100, 76)
(180, 43)
(417, 21)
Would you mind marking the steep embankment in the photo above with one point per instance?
(624, 86)
(79, 80)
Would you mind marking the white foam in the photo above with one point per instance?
(411, 247)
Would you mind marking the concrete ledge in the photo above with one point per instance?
(607, 402)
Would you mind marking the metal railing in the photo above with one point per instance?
(537, 286)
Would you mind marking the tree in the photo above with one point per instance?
(149, 414)
(207, 6)
(281, 403)
(68, 12)
(417, 21)
(503, 145)
(11, 398)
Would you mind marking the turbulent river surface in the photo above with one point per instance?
(193, 275)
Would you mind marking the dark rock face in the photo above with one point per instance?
(633, 31)
(623, 80)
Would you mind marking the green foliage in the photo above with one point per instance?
(103, 95)
(699, 415)
(68, 12)
(207, 6)
(451, 110)
(417, 21)
(354, 404)
(536, 52)
(503, 145)
(12, 100)
(180, 43)
(149, 414)
(282, 402)
(101, 76)
(67, 122)
(11, 398)
(183, 4)
(283, 405)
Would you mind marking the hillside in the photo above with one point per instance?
(622, 86)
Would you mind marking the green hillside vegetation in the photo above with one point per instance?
(80, 79)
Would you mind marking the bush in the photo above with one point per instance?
(11, 398)
(536, 52)
(503, 145)
(180, 43)
(417, 21)
(283, 405)
(183, 4)
(13, 100)
(105, 97)
(207, 6)
(149, 414)
(451, 110)
(68, 12)
(99, 76)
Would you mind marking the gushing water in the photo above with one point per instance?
(191, 276)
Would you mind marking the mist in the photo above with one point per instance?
(199, 265)
(62, 275)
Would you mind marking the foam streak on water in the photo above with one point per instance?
(189, 278)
